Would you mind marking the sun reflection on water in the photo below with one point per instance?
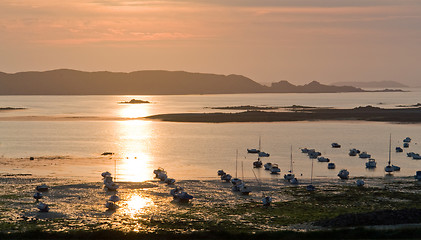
(134, 110)
(134, 162)
(136, 205)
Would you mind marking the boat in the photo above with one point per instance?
(226, 177)
(275, 169)
(306, 150)
(111, 206)
(353, 152)
(169, 181)
(311, 187)
(43, 207)
(399, 149)
(180, 196)
(109, 184)
(114, 198)
(360, 182)
(42, 188)
(407, 140)
(258, 163)
(364, 155)
(390, 168)
(266, 201)
(162, 176)
(418, 175)
(263, 154)
(416, 156)
(371, 163)
(37, 196)
(236, 181)
(314, 154)
(267, 166)
(336, 145)
(410, 154)
(323, 159)
(221, 172)
(158, 171)
(106, 174)
(331, 166)
(244, 190)
(406, 145)
(290, 175)
(343, 174)
(294, 181)
(253, 150)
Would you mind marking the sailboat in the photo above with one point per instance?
(243, 188)
(311, 187)
(253, 150)
(236, 181)
(390, 168)
(266, 200)
(290, 175)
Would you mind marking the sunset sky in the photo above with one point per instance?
(266, 40)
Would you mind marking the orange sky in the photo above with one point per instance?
(266, 40)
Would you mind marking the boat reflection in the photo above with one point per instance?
(134, 163)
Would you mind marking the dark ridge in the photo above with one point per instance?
(150, 82)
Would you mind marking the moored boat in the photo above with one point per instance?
(343, 174)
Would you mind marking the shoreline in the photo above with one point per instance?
(368, 113)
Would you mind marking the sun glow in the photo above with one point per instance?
(134, 163)
(134, 110)
(137, 204)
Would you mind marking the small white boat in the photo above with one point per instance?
(290, 175)
(331, 166)
(267, 166)
(162, 176)
(391, 168)
(275, 169)
(43, 207)
(306, 150)
(336, 145)
(371, 163)
(244, 189)
(314, 155)
(343, 174)
(114, 198)
(407, 140)
(106, 174)
(360, 182)
(416, 156)
(257, 164)
(37, 196)
(406, 145)
(169, 181)
(158, 171)
(418, 175)
(310, 188)
(179, 195)
(364, 155)
(399, 149)
(263, 154)
(253, 150)
(266, 201)
(411, 154)
(353, 152)
(323, 159)
(42, 188)
(111, 206)
(226, 177)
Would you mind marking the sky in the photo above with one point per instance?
(266, 40)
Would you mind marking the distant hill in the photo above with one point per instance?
(151, 82)
(372, 84)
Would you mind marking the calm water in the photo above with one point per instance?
(195, 150)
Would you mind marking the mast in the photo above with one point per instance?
(236, 160)
(242, 171)
(311, 178)
(290, 168)
(260, 143)
(390, 146)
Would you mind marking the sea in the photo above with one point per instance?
(66, 136)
